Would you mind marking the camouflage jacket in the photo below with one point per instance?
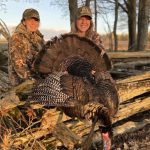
(23, 47)
(96, 38)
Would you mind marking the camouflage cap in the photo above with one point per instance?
(84, 11)
(30, 13)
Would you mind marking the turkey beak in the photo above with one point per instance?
(93, 72)
(65, 72)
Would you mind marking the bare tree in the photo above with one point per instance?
(87, 3)
(104, 9)
(73, 5)
(115, 26)
(143, 18)
(131, 5)
(109, 32)
(95, 8)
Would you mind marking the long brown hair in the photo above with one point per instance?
(88, 32)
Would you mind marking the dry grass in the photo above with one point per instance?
(123, 45)
(6, 140)
(17, 123)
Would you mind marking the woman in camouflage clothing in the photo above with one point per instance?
(24, 45)
(83, 26)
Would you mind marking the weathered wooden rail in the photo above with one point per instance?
(129, 55)
(60, 128)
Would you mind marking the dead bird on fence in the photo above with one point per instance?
(77, 82)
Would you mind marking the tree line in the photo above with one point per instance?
(137, 14)
(138, 17)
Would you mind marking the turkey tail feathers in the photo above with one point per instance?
(58, 49)
(107, 61)
(48, 92)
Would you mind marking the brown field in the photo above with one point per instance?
(123, 45)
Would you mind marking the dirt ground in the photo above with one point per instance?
(138, 140)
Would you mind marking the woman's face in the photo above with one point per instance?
(83, 24)
(32, 24)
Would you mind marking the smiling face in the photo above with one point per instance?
(32, 24)
(83, 24)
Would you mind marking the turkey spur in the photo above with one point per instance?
(77, 80)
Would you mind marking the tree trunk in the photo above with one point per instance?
(131, 5)
(115, 26)
(143, 24)
(72, 9)
(95, 7)
(87, 3)
(109, 34)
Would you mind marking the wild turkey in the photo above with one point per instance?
(77, 80)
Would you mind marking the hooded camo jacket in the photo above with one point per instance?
(23, 48)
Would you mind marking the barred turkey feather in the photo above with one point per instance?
(49, 93)
(108, 95)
